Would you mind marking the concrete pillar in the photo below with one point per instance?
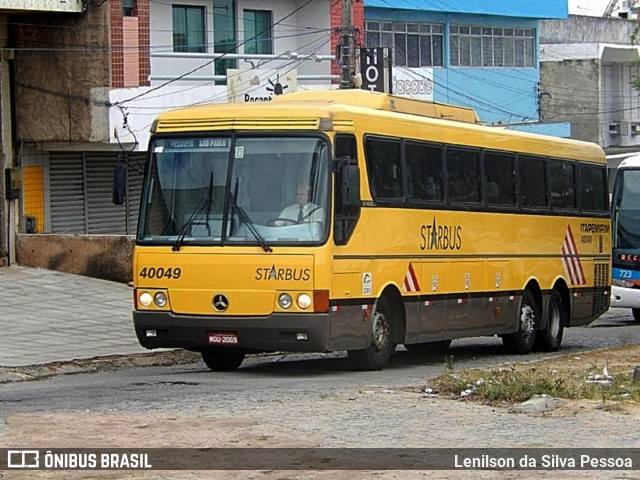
(8, 209)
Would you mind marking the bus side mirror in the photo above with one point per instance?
(119, 183)
(350, 187)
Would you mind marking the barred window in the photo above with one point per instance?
(413, 44)
(474, 46)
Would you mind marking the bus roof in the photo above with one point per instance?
(306, 110)
(382, 101)
(630, 162)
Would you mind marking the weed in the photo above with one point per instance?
(448, 363)
(520, 384)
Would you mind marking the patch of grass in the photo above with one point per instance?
(518, 384)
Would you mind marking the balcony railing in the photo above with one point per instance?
(254, 59)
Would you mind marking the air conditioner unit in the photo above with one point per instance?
(614, 128)
(634, 129)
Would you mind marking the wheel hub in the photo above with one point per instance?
(554, 321)
(527, 321)
(380, 328)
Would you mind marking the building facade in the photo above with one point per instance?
(11, 187)
(587, 69)
(87, 86)
(478, 54)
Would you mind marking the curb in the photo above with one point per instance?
(97, 364)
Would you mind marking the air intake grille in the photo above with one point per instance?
(601, 288)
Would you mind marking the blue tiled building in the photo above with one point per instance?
(474, 53)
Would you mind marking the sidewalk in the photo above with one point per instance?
(48, 316)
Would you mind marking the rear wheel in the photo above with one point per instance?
(549, 339)
(221, 361)
(429, 348)
(636, 314)
(522, 340)
(377, 355)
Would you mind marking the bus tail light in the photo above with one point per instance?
(321, 301)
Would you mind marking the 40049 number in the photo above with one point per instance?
(160, 272)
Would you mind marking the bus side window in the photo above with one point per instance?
(593, 190)
(533, 181)
(424, 171)
(384, 168)
(562, 182)
(463, 173)
(346, 216)
(500, 188)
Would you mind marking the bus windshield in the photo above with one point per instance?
(626, 210)
(236, 190)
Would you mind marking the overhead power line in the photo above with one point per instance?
(168, 82)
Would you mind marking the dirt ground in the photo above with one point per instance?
(618, 361)
(164, 430)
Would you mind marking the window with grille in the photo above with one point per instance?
(412, 44)
(476, 46)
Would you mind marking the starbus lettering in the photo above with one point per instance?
(440, 237)
(274, 273)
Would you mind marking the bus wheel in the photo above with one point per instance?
(376, 355)
(549, 339)
(221, 361)
(636, 314)
(522, 340)
(429, 348)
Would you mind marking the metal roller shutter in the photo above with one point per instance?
(81, 194)
(66, 186)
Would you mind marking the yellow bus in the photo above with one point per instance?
(357, 221)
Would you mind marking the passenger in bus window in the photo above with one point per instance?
(303, 211)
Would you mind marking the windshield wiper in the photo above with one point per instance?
(182, 231)
(204, 205)
(246, 219)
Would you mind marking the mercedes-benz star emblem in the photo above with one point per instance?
(220, 302)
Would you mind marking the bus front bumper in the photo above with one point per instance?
(277, 332)
(622, 297)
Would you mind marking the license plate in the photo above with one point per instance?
(226, 338)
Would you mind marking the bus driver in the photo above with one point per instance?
(303, 211)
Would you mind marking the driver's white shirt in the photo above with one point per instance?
(310, 212)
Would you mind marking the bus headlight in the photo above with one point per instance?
(622, 283)
(304, 301)
(145, 299)
(285, 301)
(160, 299)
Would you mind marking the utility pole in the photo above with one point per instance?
(346, 45)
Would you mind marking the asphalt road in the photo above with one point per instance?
(310, 401)
(189, 387)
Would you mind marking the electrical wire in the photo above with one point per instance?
(212, 61)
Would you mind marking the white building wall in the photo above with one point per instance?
(306, 33)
